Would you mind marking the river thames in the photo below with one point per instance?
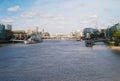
(59, 60)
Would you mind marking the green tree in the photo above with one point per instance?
(102, 35)
(116, 35)
(94, 35)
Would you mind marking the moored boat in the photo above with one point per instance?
(88, 42)
(33, 39)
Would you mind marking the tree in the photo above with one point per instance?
(102, 35)
(116, 35)
(94, 35)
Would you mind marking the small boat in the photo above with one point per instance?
(88, 42)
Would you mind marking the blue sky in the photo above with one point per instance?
(59, 16)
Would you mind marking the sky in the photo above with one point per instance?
(59, 16)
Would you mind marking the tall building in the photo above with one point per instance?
(2, 31)
(8, 27)
(5, 32)
(111, 29)
(89, 31)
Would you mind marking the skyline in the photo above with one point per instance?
(59, 16)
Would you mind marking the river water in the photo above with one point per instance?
(59, 60)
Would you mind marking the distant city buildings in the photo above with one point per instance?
(88, 31)
(111, 29)
(30, 31)
(6, 32)
(41, 32)
(19, 34)
(8, 27)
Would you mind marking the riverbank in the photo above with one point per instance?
(5, 44)
(115, 48)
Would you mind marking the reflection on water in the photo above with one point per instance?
(56, 60)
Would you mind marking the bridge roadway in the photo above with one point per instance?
(99, 40)
(59, 37)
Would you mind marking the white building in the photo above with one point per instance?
(41, 30)
(8, 27)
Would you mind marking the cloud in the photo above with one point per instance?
(30, 14)
(84, 22)
(81, 5)
(14, 17)
(92, 16)
(37, 14)
(59, 17)
(52, 16)
(47, 15)
(8, 20)
(14, 8)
